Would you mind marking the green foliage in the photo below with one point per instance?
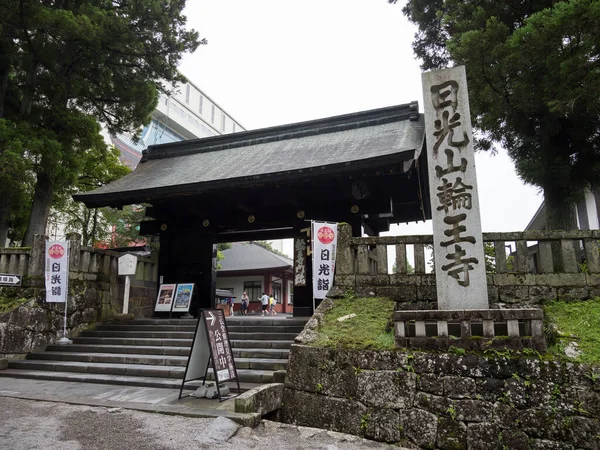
(8, 304)
(366, 330)
(534, 85)
(578, 321)
(65, 67)
(319, 388)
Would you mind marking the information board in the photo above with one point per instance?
(211, 344)
(164, 300)
(220, 347)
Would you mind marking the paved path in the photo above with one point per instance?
(33, 425)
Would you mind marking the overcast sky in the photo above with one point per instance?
(271, 62)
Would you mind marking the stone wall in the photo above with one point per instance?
(444, 401)
(95, 294)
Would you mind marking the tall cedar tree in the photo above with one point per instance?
(67, 65)
(533, 70)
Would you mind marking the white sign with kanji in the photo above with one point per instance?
(457, 239)
(324, 238)
(57, 271)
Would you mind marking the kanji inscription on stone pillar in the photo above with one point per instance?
(457, 240)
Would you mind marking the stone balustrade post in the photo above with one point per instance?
(37, 261)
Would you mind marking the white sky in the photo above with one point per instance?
(271, 62)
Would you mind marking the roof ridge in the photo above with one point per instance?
(407, 111)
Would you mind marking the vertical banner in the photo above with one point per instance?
(57, 271)
(324, 237)
(457, 239)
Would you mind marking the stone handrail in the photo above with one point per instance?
(355, 257)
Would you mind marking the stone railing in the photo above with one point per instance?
(95, 294)
(85, 263)
(523, 267)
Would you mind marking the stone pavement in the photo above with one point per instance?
(130, 397)
(106, 417)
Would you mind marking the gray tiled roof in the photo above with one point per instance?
(247, 256)
(204, 164)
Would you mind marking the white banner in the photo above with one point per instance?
(324, 239)
(57, 271)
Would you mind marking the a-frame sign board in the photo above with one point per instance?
(211, 346)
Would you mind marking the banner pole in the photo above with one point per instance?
(65, 340)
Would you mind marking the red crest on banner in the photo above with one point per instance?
(325, 235)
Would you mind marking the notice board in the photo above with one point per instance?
(211, 346)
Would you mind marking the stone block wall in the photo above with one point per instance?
(445, 401)
(95, 294)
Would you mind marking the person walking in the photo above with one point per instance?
(272, 303)
(264, 301)
(245, 303)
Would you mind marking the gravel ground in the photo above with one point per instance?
(28, 425)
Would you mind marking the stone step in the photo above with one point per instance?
(243, 342)
(114, 379)
(93, 340)
(136, 370)
(123, 349)
(119, 358)
(250, 362)
(264, 329)
(137, 327)
(262, 336)
(250, 343)
(139, 334)
(182, 335)
(274, 353)
(238, 328)
(242, 352)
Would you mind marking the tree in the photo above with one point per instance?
(533, 69)
(65, 66)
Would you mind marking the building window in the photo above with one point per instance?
(233, 127)
(187, 94)
(253, 289)
(212, 114)
(200, 104)
(223, 119)
(276, 292)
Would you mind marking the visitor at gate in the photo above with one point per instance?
(230, 305)
(245, 302)
(264, 301)
(272, 304)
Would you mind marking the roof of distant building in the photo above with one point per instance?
(250, 256)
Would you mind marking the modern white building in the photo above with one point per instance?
(188, 113)
(587, 213)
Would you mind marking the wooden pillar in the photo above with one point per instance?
(303, 295)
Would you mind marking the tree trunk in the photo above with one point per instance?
(40, 209)
(560, 210)
(4, 218)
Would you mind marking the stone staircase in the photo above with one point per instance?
(154, 352)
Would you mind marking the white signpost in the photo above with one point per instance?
(127, 265)
(458, 244)
(57, 278)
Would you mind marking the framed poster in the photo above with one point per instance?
(183, 297)
(164, 301)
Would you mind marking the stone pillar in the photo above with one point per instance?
(457, 239)
(74, 251)
(38, 251)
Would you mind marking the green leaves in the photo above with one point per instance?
(533, 70)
